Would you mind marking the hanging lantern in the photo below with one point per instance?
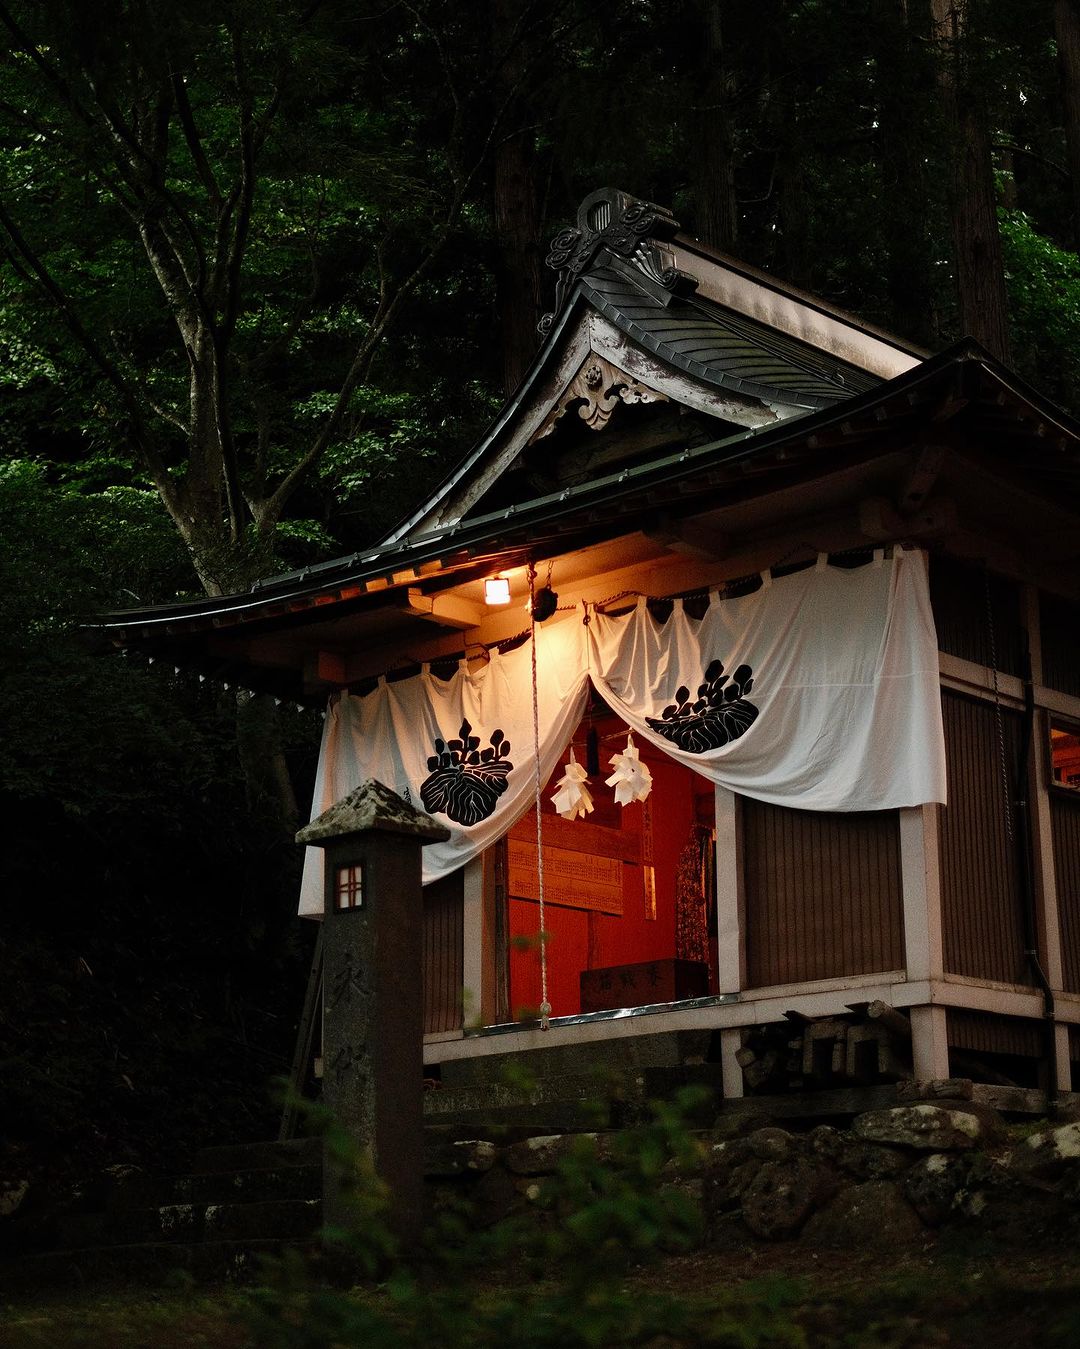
(631, 779)
(573, 798)
(497, 590)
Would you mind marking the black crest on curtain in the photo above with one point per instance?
(467, 781)
(718, 715)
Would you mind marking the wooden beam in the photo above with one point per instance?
(879, 520)
(950, 408)
(666, 574)
(450, 611)
(324, 668)
(924, 473)
(689, 538)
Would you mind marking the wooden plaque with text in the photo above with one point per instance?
(576, 880)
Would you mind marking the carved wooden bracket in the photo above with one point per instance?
(598, 387)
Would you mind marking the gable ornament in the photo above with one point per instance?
(597, 389)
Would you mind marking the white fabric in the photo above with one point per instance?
(841, 707)
(390, 735)
(836, 706)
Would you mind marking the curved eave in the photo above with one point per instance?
(607, 505)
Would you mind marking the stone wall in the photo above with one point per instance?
(892, 1178)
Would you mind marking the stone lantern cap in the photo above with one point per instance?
(372, 807)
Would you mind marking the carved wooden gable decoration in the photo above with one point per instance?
(596, 390)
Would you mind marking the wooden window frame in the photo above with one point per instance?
(349, 885)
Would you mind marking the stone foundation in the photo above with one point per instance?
(892, 1178)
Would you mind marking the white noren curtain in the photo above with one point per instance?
(820, 691)
(461, 748)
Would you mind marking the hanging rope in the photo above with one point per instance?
(545, 1006)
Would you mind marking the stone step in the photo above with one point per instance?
(217, 1187)
(278, 1220)
(258, 1156)
(234, 1261)
(548, 1105)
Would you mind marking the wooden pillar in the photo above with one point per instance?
(730, 926)
(920, 864)
(478, 939)
(373, 1013)
(929, 1043)
(1047, 912)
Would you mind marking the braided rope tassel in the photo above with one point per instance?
(545, 1006)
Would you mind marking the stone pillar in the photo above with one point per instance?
(373, 1030)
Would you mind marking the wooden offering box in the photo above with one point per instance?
(639, 985)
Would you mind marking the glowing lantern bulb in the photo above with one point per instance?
(497, 590)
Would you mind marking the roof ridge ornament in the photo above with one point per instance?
(625, 226)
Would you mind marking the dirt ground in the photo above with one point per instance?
(941, 1295)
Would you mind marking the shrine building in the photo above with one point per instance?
(777, 617)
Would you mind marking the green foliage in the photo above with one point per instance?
(212, 218)
(557, 1277)
(1044, 294)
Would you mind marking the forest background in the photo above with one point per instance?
(265, 266)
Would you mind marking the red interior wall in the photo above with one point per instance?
(580, 940)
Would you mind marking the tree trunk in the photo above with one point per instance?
(519, 270)
(1067, 34)
(904, 91)
(713, 159)
(980, 270)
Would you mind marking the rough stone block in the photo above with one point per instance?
(541, 1156)
(460, 1158)
(928, 1128)
(727, 1172)
(1049, 1155)
(826, 1142)
(738, 1123)
(873, 1161)
(12, 1193)
(872, 1216)
(783, 1195)
(772, 1144)
(287, 1219)
(933, 1185)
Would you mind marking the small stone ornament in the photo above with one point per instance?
(632, 779)
(573, 798)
